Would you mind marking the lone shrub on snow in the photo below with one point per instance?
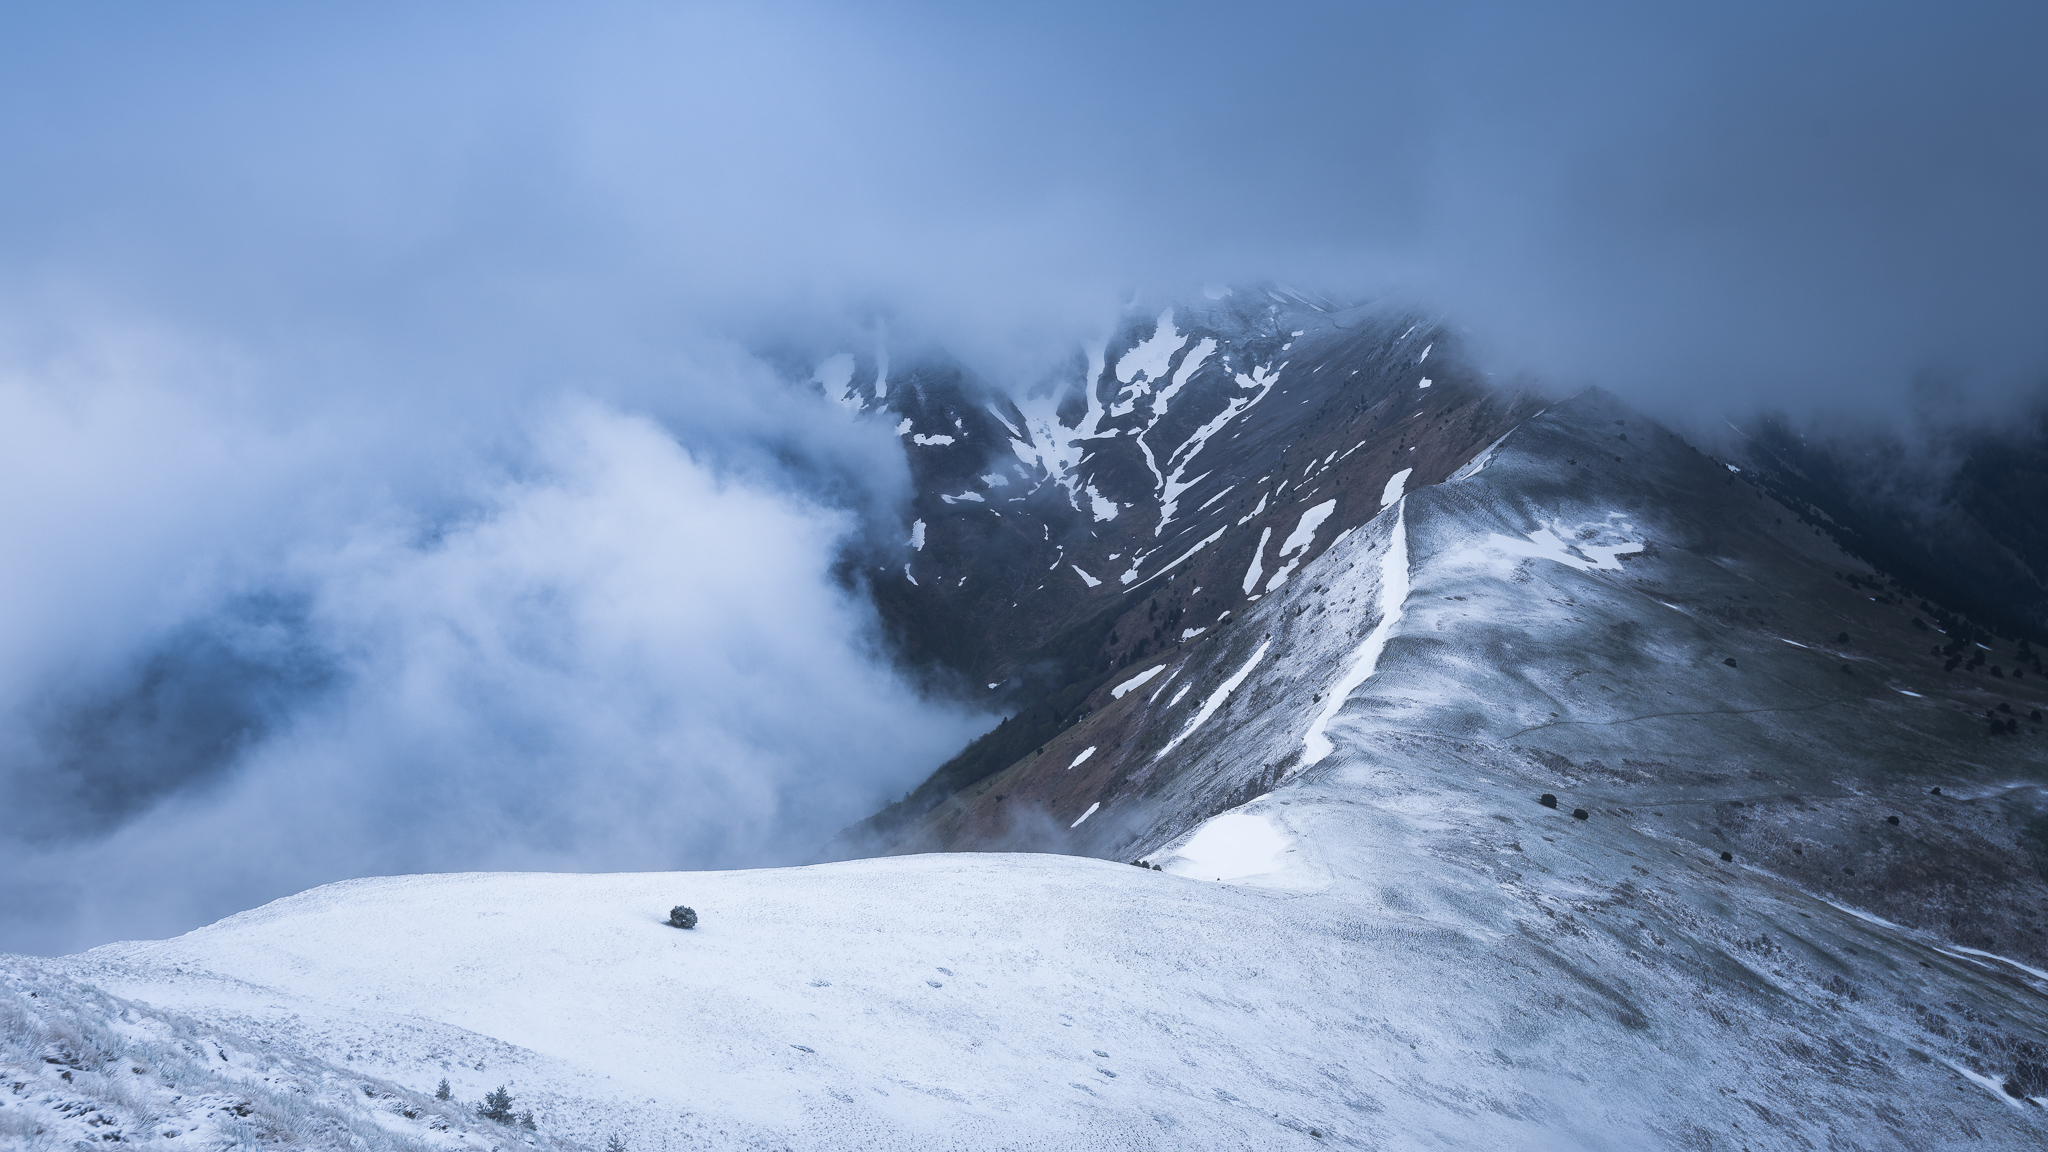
(682, 917)
(497, 1106)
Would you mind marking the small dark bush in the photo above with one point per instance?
(1727, 857)
(1891, 819)
(1579, 814)
(497, 1106)
(1547, 800)
(1730, 661)
(682, 917)
(615, 1144)
(442, 1093)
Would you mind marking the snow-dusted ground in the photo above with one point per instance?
(80, 1068)
(923, 1002)
(1343, 994)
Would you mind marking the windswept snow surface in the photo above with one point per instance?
(1231, 846)
(963, 1001)
(921, 1002)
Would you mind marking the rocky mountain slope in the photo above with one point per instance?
(1619, 622)
(1500, 772)
(1116, 511)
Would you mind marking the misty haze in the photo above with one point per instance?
(648, 576)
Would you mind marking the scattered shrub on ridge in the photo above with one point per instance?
(497, 1106)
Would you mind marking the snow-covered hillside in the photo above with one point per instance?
(1362, 995)
(81, 1068)
(1570, 793)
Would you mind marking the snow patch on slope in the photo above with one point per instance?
(1397, 485)
(1215, 699)
(1365, 660)
(1235, 846)
(1297, 542)
(1261, 382)
(1135, 682)
(1258, 568)
(1573, 548)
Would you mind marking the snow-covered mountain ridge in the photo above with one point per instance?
(1788, 891)
(1172, 476)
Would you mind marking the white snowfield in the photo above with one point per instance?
(1342, 992)
(957, 1001)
